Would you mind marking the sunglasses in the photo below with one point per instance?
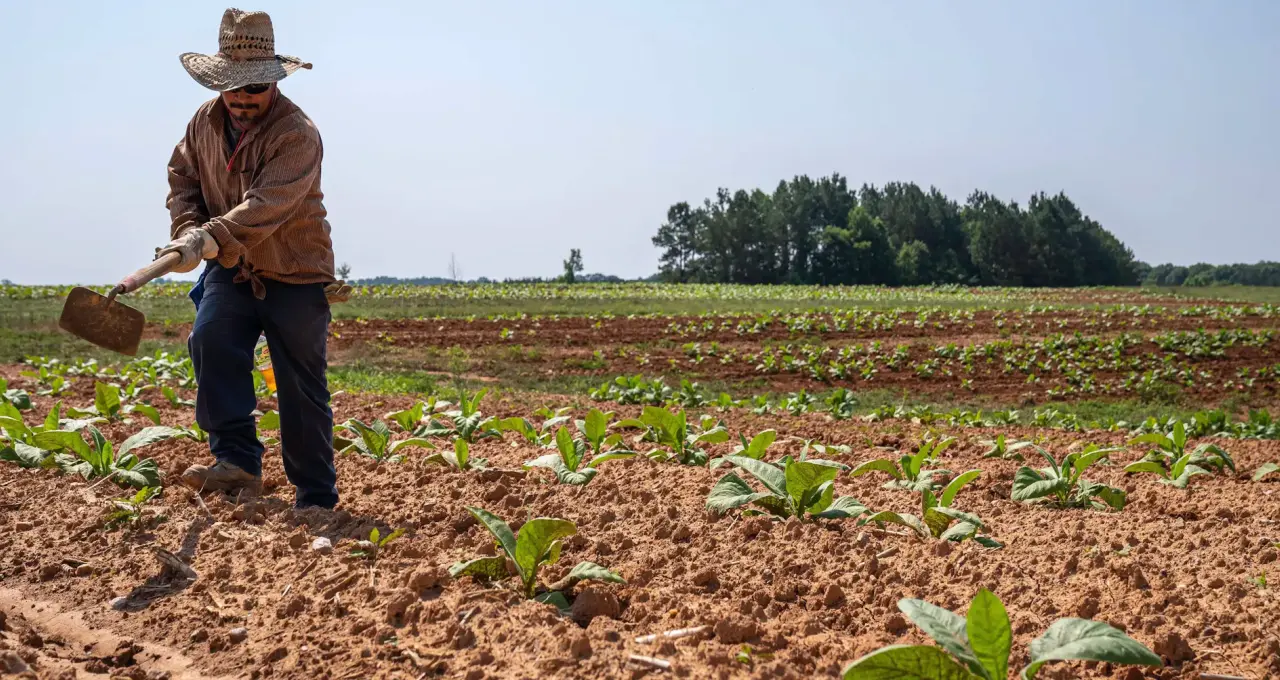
(257, 88)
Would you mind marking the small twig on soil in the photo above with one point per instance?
(286, 590)
(887, 553)
(650, 662)
(671, 634)
(466, 616)
(205, 508)
(1214, 676)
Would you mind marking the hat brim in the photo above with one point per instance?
(221, 74)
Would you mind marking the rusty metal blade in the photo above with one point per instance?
(106, 323)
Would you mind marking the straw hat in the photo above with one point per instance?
(246, 54)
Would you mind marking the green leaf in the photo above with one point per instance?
(841, 508)
(732, 492)
(881, 464)
(535, 542)
(1116, 498)
(902, 662)
(590, 571)
(1030, 484)
(568, 449)
(1146, 466)
(595, 426)
(24, 455)
(937, 522)
(987, 624)
(575, 478)
(1264, 470)
(147, 410)
(946, 627)
(554, 598)
(137, 472)
(146, 436)
(910, 521)
(949, 493)
(1078, 639)
(959, 532)
(803, 479)
(759, 444)
(54, 417)
(59, 440)
(1155, 438)
(106, 399)
(497, 527)
(774, 480)
(269, 421)
(485, 568)
(417, 442)
(461, 454)
(611, 455)
(987, 542)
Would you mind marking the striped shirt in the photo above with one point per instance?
(261, 200)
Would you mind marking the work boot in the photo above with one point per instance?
(222, 476)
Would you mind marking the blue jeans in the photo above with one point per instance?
(295, 319)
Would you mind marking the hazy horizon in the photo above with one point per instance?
(508, 133)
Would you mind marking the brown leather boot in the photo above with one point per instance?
(221, 476)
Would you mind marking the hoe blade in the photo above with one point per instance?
(106, 323)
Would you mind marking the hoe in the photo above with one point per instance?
(106, 322)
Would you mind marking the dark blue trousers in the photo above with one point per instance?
(295, 319)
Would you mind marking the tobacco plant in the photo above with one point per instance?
(1264, 470)
(938, 519)
(1173, 463)
(793, 488)
(570, 464)
(370, 548)
(535, 546)
(109, 402)
(682, 442)
(1061, 484)
(129, 510)
(976, 647)
(908, 471)
(19, 399)
(99, 458)
(459, 458)
(20, 446)
(465, 422)
(1006, 450)
(756, 448)
(374, 440)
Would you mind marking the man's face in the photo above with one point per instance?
(247, 109)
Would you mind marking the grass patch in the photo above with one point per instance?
(360, 378)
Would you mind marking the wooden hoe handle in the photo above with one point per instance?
(162, 265)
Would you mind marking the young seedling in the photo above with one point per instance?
(535, 546)
(1264, 470)
(801, 489)
(129, 510)
(375, 441)
(756, 448)
(459, 458)
(98, 458)
(595, 428)
(938, 519)
(1171, 460)
(466, 422)
(369, 549)
(173, 398)
(977, 646)
(908, 471)
(1061, 485)
(672, 431)
(570, 465)
(1006, 450)
(109, 403)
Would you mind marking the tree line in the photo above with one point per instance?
(1261, 274)
(822, 232)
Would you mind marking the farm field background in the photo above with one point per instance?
(841, 375)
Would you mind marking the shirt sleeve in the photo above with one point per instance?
(277, 193)
(186, 199)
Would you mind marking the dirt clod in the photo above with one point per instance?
(1174, 647)
(580, 646)
(896, 625)
(736, 629)
(427, 577)
(199, 635)
(23, 526)
(237, 635)
(322, 545)
(594, 601)
(834, 596)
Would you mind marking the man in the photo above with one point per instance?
(244, 194)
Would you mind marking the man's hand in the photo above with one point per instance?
(193, 245)
(338, 291)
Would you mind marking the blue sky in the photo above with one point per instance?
(508, 132)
